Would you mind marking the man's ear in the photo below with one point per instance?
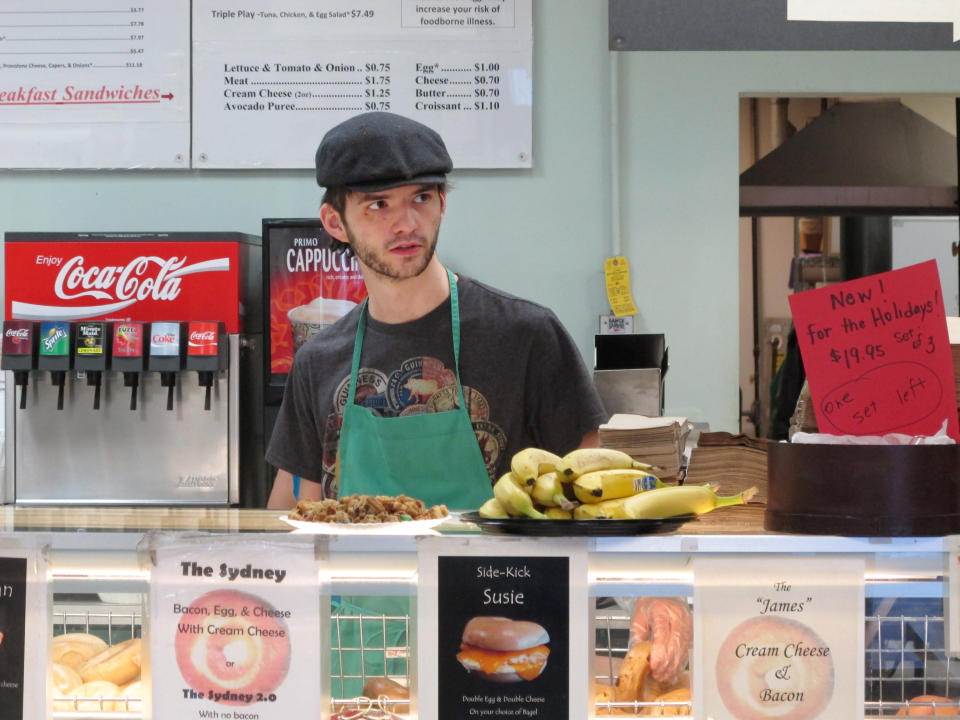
(333, 223)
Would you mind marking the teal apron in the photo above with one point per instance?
(434, 457)
(431, 456)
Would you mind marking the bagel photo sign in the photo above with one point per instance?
(782, 644)
(227, 618)
(497, 621)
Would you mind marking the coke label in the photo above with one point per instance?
(202, 338)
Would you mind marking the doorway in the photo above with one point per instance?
(791, 249)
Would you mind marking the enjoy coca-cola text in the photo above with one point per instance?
(141, 278)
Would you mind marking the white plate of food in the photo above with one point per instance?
(401, 527)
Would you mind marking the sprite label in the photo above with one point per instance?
(55, 338)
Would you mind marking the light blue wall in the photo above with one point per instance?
(544, 233)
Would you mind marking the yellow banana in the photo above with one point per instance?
(555, 513)
(593, 487)
(513, 498)
(681, 500)
(608, 509)
(492, 509)
(530, 463)
(548, 491)
(583, 460)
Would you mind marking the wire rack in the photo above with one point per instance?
(905, 657)
(365, 647)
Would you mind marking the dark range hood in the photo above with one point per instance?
(857, 158)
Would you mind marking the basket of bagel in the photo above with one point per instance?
(91, 676)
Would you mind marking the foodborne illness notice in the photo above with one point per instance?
(876, 354)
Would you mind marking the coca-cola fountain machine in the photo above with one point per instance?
(134, 369)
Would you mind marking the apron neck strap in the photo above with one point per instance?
(454, 321)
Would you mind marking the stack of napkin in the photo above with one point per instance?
(657, 440)
(733, 462)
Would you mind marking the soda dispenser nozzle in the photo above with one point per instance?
(90, 354)
(55, 353)
(206, 353)
(128, 356)
(19, 353)
(166, 355)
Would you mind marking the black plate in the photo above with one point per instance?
(555, 528)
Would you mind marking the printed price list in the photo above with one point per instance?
(335, 86)
(286, 75)
(92, 37)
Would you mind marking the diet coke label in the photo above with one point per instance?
(165, 339)
(123, 281)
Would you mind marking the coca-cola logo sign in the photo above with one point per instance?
(163, 339)
(153, 278)
(18, 333)
(203, 336)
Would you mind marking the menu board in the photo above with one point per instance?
(102, 85)
(270, 79)
(234, 626)
(502, 629)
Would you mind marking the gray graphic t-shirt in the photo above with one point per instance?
(524, 381)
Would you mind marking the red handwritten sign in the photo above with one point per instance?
(876, 354)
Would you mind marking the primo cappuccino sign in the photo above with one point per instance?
(784, 25)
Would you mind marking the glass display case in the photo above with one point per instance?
(99, 588)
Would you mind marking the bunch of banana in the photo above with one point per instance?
(584, 460)
(514, 498)
(530, 463)
(600, 485)
(681, 500)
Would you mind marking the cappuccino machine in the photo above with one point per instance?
(134, 369)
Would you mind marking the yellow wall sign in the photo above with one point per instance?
(616, 271)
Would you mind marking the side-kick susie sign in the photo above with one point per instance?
(502, 629)
(227, 618)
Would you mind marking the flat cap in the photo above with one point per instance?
(378, 151)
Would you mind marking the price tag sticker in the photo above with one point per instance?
(616, 271)
(877, 355)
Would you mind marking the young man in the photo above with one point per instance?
(429, 387)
